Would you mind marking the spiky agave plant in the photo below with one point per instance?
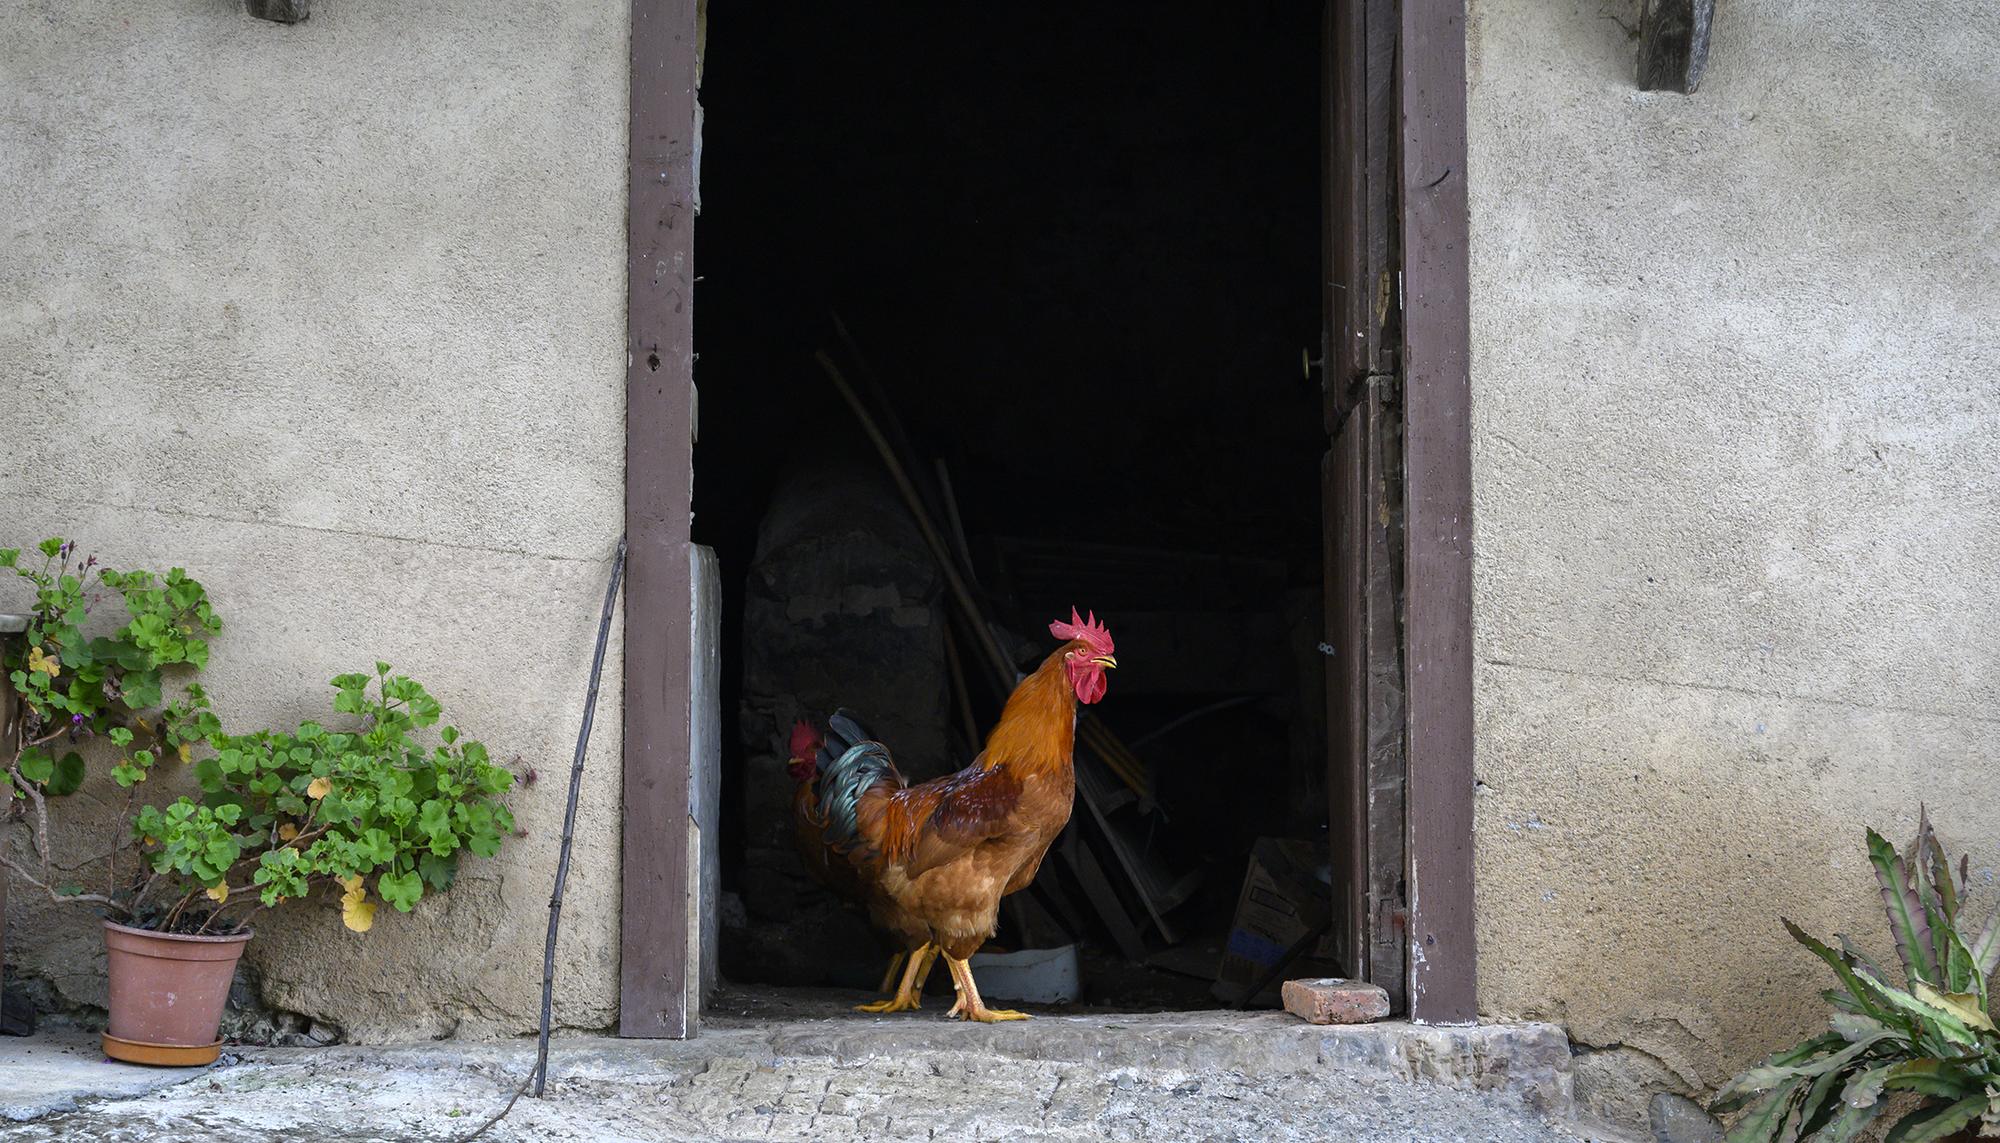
(1934, 1036)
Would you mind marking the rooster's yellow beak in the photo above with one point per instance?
(1105, 661)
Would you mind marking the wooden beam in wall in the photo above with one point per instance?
(1437, 552)
(659, 458)
(1673, 44)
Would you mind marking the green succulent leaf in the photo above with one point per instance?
(1837, 961)
(1935, 1021)
(1820, 1105)
(1807, 1061)
(1866, 1086)
(1933, 1078)
(1939, 1122)
(1849, 1122)
(1765, 1120)
(1907, 918)
(1985, 948)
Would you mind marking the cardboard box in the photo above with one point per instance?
(1284, 900)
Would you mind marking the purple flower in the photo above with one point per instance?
(76, 720)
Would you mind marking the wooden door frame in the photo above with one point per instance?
(1399, 501)
(1431, 225)
(1437, 509)
(659, 499)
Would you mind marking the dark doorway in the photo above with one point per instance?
(1082, 252)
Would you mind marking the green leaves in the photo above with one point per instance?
(372, 798)
(1908, 921)
(1935, 1037)
(191, 840)
(1937, 1122)
(374, 803)
(37, 765)
(67, 777)
(400, 889)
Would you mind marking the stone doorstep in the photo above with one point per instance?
(1530, 1062)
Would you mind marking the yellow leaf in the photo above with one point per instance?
(187, 750)
(351, 884)
(287, 832)
(219, 894)
(319, 788)
(356, 911)
(47, 664)
(1964, 1005)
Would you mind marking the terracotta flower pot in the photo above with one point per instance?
(167, 993)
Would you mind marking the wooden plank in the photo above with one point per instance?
(1365, 685)
(1673, 44)
(1359, 198)
(704, 936)
(1385, 768)
(1438, 511)
(1344, 474)
(1090, 874)
(659, 400)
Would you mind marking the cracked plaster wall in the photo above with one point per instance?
(332, 314)
(1736, 367)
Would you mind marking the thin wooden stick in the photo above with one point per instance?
(1003, 669)
(952, 518)
(569, 819)
(538, 1076)
(959, 689)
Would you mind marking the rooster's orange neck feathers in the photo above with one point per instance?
(1037, 730)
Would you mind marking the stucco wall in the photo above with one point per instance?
(332, 316)
(1736, 366)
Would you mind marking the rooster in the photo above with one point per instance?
(942, 853)
(809, 751)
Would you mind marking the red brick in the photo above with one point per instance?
(1331, 1000)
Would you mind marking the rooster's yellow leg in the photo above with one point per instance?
(895, 970)
(969, 1006)
(906, 994)
(929, 953)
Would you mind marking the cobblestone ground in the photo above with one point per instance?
(937, 1097)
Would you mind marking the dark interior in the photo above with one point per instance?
(1077, 247)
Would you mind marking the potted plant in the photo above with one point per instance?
(279, 816)
(1933, 1038)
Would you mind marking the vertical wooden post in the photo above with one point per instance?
(1438, 511)
(659, 403)
(1673, 44)
(1363, 490)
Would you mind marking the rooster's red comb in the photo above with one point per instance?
(805, 741)
(1096, 634)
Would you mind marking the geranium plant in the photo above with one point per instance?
(284, 812)
(72, 686)
(278, 814)
(1934, 1036)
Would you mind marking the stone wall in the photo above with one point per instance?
(331, 315)
(843, 607)
(1736, 463)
